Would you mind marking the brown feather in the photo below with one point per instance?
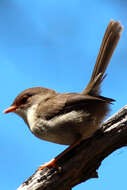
(109, 43)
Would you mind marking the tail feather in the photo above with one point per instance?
(109, 43)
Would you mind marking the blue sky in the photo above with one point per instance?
(54, 44)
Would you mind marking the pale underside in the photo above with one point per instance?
(59, 128)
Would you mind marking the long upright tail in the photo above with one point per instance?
(109, 43)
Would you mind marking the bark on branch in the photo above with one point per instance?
(82, 162)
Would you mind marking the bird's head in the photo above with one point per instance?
(28, 98)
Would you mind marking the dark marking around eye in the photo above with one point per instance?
(23, 100)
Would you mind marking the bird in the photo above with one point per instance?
(69, 118)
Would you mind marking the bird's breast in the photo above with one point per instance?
(62, 129)
(31, 117)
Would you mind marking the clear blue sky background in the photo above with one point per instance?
(54, 43)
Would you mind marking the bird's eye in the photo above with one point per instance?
(24, 100)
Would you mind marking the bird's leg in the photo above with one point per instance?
(52, 163)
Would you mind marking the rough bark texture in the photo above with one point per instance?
(82, 162)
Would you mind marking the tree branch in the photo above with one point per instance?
(82, 162)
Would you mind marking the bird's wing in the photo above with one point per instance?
(66, 102)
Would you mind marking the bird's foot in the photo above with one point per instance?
(48, 164)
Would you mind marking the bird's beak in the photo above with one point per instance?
(10, 109)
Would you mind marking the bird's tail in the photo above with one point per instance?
(109, 43)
